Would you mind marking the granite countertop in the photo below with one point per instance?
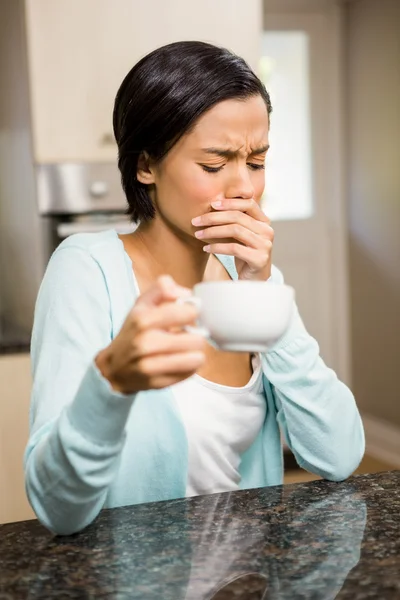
(316, 540)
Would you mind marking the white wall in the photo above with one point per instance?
(373, 130)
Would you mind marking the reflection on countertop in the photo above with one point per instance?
(13, 339)
(318, 540)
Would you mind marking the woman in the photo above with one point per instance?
(127, 407)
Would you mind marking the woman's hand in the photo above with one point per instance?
(239, 228)
(152, 350)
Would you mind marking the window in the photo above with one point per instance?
(284, 69)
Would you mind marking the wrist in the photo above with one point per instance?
(103, 362)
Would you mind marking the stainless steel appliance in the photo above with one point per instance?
(74, 198)
(53, 201)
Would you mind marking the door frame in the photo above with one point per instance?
(286, 15)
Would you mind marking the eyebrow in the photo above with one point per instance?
(224, 153)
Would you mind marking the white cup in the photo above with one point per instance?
(242, 316)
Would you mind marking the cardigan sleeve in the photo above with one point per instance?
(77, 421)
(316, 412)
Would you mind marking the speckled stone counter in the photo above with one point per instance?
(308, 541)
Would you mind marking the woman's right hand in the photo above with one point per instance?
(152, 349)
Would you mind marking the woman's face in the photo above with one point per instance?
(222, 157)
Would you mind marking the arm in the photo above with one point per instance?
(316, 412)
(86, 378)
(74, 446)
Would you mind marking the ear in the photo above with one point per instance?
(144, 171)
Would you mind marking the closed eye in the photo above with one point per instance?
(252, 166)
(208, 169)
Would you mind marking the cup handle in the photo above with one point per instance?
(189, 328)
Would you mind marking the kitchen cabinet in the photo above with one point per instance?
(15, 389)
(79, 52)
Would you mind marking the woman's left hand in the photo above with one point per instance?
(247, 235)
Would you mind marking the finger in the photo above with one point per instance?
(155, 342)
(163, 290)
(164, 316)
(233, 216)
(171, 364)
(163, 381)
(255, 259)
(249, 206)
(235, 232)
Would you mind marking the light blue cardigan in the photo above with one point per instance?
(91, 447)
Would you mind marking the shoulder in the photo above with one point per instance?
(90, 243)
(83, 254)
(79, 265)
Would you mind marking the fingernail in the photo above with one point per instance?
(206, 248)
(216, 204)
(184, 292)
(199, 234)
(168, 283)
(196, 221)
(168, 280)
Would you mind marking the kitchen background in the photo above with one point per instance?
(333, 178)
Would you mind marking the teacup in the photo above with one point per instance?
(242, 316)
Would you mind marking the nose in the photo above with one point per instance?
(240, 185)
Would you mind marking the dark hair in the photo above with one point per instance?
(161, 98)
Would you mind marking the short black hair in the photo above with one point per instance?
(162, 97)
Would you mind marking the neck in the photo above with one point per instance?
(165, 251)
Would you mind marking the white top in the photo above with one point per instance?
(221, 423)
